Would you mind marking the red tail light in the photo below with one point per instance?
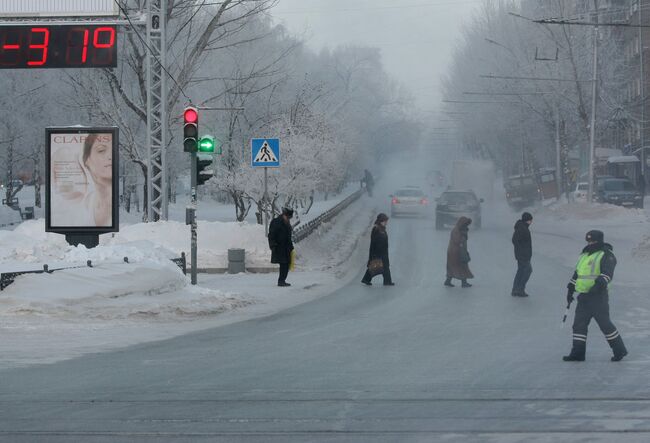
(395, 201)
(424, 201)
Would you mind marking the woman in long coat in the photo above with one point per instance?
(379, 250)
(457, 254)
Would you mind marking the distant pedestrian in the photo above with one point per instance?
(369, 181)
(281, 244)
(378, 252)
(594, 272)
(457, 254)
(642, 184)
(523, 253)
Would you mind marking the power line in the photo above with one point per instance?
(135, 29)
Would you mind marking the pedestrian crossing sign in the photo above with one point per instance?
(265, 152)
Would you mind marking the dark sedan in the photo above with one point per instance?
(451, 205)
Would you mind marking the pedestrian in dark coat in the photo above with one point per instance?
(379, 250)
(523, 253)
(594, 272)
(281, 244)
(457, 254)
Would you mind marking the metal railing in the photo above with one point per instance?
(7, 278)
(303, 231)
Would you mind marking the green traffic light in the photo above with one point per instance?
(206, 144)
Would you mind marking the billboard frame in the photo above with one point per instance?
(82, 230)
(51, 14)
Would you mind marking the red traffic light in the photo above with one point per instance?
(191, 115)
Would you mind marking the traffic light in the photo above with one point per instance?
(206, 144)
(190, 129)
(204, 171)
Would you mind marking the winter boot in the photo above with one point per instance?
(465, 284)
(618, 347)
(577, 351)
(449, 283)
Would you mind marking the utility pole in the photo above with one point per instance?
(642, 91)
(594, 101)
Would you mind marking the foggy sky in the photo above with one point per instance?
(416, 37)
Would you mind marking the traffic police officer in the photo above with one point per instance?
(594, 272)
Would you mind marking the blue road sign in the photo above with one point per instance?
(265, 152)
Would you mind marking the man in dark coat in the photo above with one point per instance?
(281, 244)
(457, 254)
(379, 250)
(594, 272)
(523, 253)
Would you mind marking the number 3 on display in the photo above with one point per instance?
(58, 46)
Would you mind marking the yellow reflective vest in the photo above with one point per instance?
(588, 270)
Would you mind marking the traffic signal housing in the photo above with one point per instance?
(204, 170)
(190, 129)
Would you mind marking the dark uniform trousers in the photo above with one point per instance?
(594, 306)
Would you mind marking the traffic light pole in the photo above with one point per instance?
(193, 161)
(266, 201)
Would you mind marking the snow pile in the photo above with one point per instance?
(29, 243)
(158, 242)
(215, 238)
(613, 214)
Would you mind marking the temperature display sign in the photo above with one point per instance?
(58, 46)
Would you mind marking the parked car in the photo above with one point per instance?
(580, 193)
(451, 205)
(619, 191)
(522, 191)
(409, 200)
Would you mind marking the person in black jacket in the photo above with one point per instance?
(594, 272)
(379, 250)
(523, 253)
(281, 244)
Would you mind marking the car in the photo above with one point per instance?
(409, 200)
(619, 191)
(451, 205)
(522, 191)
(580, 193)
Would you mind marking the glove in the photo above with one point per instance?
(571, 287)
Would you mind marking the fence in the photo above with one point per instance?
(7, 278)
(305, 230)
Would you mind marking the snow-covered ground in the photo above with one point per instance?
(49, 317)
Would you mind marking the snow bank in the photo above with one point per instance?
(610, 214)
(215, 238)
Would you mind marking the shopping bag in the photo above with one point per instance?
(292, 261)
(376, 266)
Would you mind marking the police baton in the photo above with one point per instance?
(566, 313)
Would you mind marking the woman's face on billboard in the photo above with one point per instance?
(100, 161)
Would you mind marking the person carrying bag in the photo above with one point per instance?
(378, 262)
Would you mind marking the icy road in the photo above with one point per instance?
(413, 363)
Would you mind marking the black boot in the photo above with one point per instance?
(618, 347)
(449, 283)
(465, 284)
(577, 351)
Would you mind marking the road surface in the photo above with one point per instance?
(417, 362)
